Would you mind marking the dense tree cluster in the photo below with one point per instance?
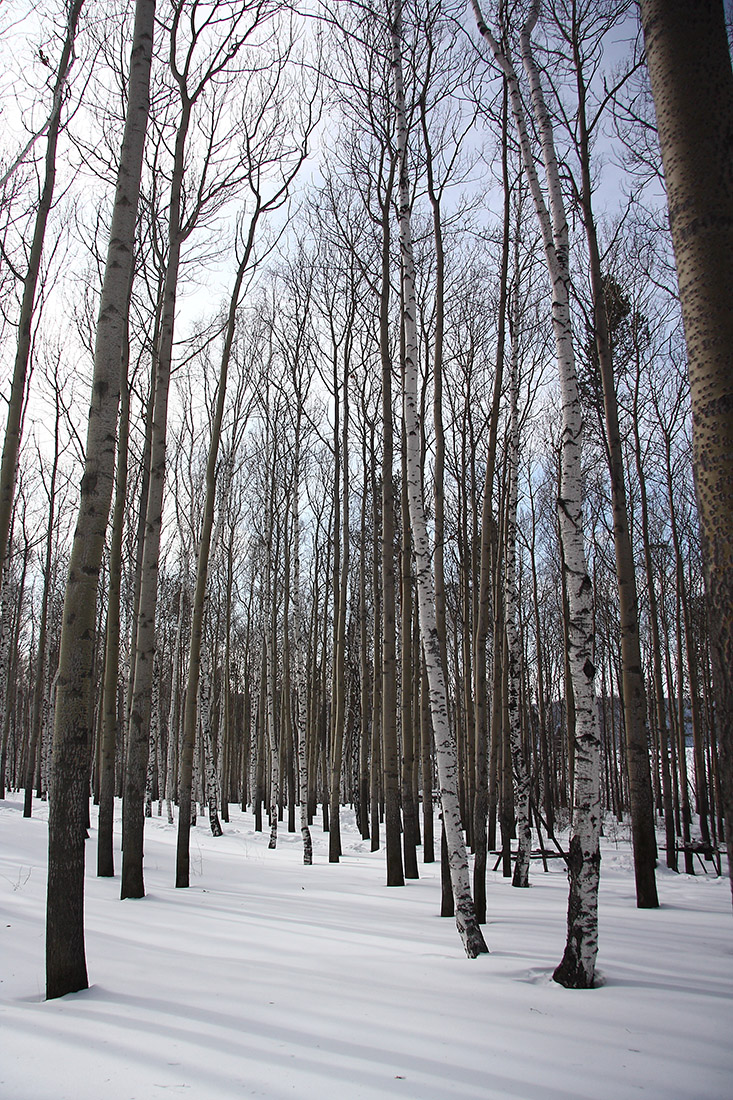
(387, 488)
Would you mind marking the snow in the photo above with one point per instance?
(267, 978)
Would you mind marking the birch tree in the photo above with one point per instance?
(577, 968)
(445, 748)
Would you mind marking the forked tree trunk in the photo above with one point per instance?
(445, 747)
(11, 444)
(65, 956)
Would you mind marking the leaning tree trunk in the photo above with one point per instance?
(65, 957)
(445, 747)
(692, 84)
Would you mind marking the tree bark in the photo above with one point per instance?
(692, 85)
(65, 956)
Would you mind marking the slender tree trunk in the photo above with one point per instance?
(390, 770)
(105, 824)
(300, 659)
(139, 722)
(42, 646)
(409, 820)
(489, 554)
(364, 669)
(635, 708)
(341, 586)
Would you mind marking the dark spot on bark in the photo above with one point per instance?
(89, 483)
(589, 669)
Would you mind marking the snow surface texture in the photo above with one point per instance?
(267, 978)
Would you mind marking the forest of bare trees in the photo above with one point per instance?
(392, 491)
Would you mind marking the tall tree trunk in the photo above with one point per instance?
(139, 722)
(65, 956)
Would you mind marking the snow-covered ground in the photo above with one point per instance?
(270, 979)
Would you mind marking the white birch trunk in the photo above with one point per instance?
(174, 711)
(445, 747)
(514, 644)
(577, 968)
